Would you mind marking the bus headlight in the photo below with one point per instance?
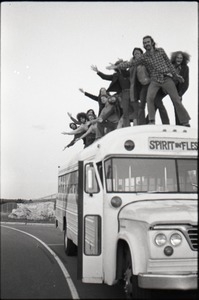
(116, 201)
(160, 239)
(176, 239)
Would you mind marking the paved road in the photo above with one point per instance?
(30, 271)
(34, 266)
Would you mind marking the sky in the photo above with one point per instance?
(47, 49)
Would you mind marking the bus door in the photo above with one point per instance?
(90, 206)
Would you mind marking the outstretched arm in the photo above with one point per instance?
(73, 119)
(80, 129)
(126, 64)
(70, 144)
(89, 95)
(81, 90)
(94, 68)
(105, 76)
(90, 130)
(102, 75)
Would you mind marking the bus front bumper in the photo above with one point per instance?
(168, 281)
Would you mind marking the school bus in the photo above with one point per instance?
(128, 207)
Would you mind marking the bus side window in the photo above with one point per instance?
(91, 185)
(99, 167)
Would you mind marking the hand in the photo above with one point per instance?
(81, 90)
(69, 114)
(100, 120)
(111, 67)
(169, 74)
(180, 78)
(94, 68)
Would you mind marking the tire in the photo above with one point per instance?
(131, 287)
(69, 247)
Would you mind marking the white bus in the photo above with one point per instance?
(128, 206)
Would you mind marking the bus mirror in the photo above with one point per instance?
(91, 181)
(90, 174)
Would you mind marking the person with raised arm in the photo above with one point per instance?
(102, 92)
(162, 74)
(120, 84)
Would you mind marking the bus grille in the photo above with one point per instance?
(193, 237)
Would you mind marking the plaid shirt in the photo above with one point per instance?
(157, 64)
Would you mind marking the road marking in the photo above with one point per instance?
(70, 283)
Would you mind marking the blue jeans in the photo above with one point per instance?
(169, 86)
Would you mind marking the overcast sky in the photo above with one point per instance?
(47, 49)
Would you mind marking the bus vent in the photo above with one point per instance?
(193, 237)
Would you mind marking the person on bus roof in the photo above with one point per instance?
(73, 126)
(109, 117)
(102, 92)
(89, 135)
(162, 74)
(82, 119)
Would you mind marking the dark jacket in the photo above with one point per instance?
(114, 85)
(182, 87)
(96, 98)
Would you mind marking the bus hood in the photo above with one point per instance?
(161, 211)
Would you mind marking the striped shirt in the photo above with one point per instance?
(156, 62)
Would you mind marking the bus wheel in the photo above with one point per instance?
(131, 287)
(69, 247)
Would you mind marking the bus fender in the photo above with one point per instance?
(139, 254)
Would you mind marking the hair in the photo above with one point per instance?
(185, 55)
(102, 88)
(152, 40)
(138, 49)
(70, 125)
(100, 95)
(90, 111)
(82, 115)
(117, 63)
(100, 91)
(111, 98)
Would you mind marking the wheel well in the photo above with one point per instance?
(123, 252)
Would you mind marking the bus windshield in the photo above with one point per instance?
(151, 175)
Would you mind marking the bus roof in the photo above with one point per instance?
(151, 140)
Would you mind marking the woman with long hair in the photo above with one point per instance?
(180, 61)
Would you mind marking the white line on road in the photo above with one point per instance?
(65, 272)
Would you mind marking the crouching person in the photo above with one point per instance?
(109, 116)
